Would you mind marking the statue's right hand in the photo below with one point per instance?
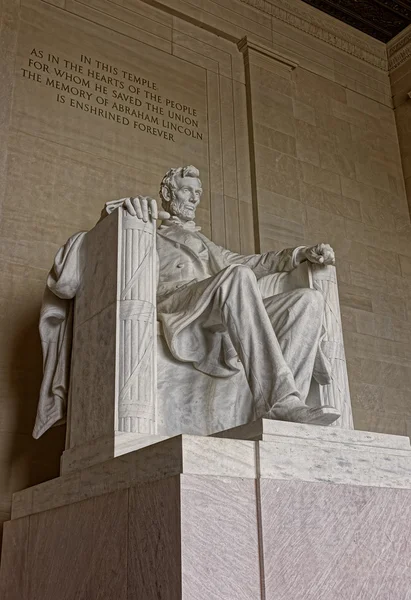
(144, 207)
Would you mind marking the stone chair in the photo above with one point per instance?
(126, 389)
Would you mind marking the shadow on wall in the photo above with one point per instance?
(28, 461)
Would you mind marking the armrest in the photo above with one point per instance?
(324, 279)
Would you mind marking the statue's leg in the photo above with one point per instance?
(244, 315)
(297, 319)
(245, 318)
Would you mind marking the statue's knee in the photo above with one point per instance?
(242, 273)
(311, 299)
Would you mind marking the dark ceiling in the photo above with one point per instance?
(382, 19)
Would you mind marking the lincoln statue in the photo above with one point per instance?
(211, 308)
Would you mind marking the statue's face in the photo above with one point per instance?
(186, 198)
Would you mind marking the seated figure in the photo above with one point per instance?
(211, 307)
(212, 310)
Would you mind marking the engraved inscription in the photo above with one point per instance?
(109, 92)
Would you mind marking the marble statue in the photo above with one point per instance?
(211, 308)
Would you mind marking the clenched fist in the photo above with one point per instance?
(321, 254)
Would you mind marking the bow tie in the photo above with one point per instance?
(187, 225)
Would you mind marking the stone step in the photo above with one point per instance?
(269, 430)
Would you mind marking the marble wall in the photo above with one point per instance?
(295, 136)
(328, 168)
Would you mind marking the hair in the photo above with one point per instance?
(168, 184)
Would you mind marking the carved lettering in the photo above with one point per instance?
(104, 90)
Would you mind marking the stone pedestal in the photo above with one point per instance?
(267, 511)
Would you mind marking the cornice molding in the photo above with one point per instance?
(324, 28)
(245, 45)
(399, 49)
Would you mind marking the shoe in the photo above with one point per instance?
(323, 415)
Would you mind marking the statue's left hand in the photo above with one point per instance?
(321, 254)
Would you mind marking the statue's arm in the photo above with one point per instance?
(263, 264)
(268, 262)
(283, 260)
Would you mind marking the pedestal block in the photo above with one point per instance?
(288, 512)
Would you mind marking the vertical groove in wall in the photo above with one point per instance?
(127, 543)
(253, 169)
(26, 578)
(237, 174)
(179, 516)
(9, 19)
(215, 159)
(259, 521)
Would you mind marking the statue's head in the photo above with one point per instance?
(180, 192)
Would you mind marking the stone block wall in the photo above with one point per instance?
(298, 144)
(328, 168)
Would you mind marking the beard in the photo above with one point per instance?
(183, 212)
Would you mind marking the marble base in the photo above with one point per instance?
(221, 519)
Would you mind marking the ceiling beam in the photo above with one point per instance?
(356, 16)
(395, 10)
